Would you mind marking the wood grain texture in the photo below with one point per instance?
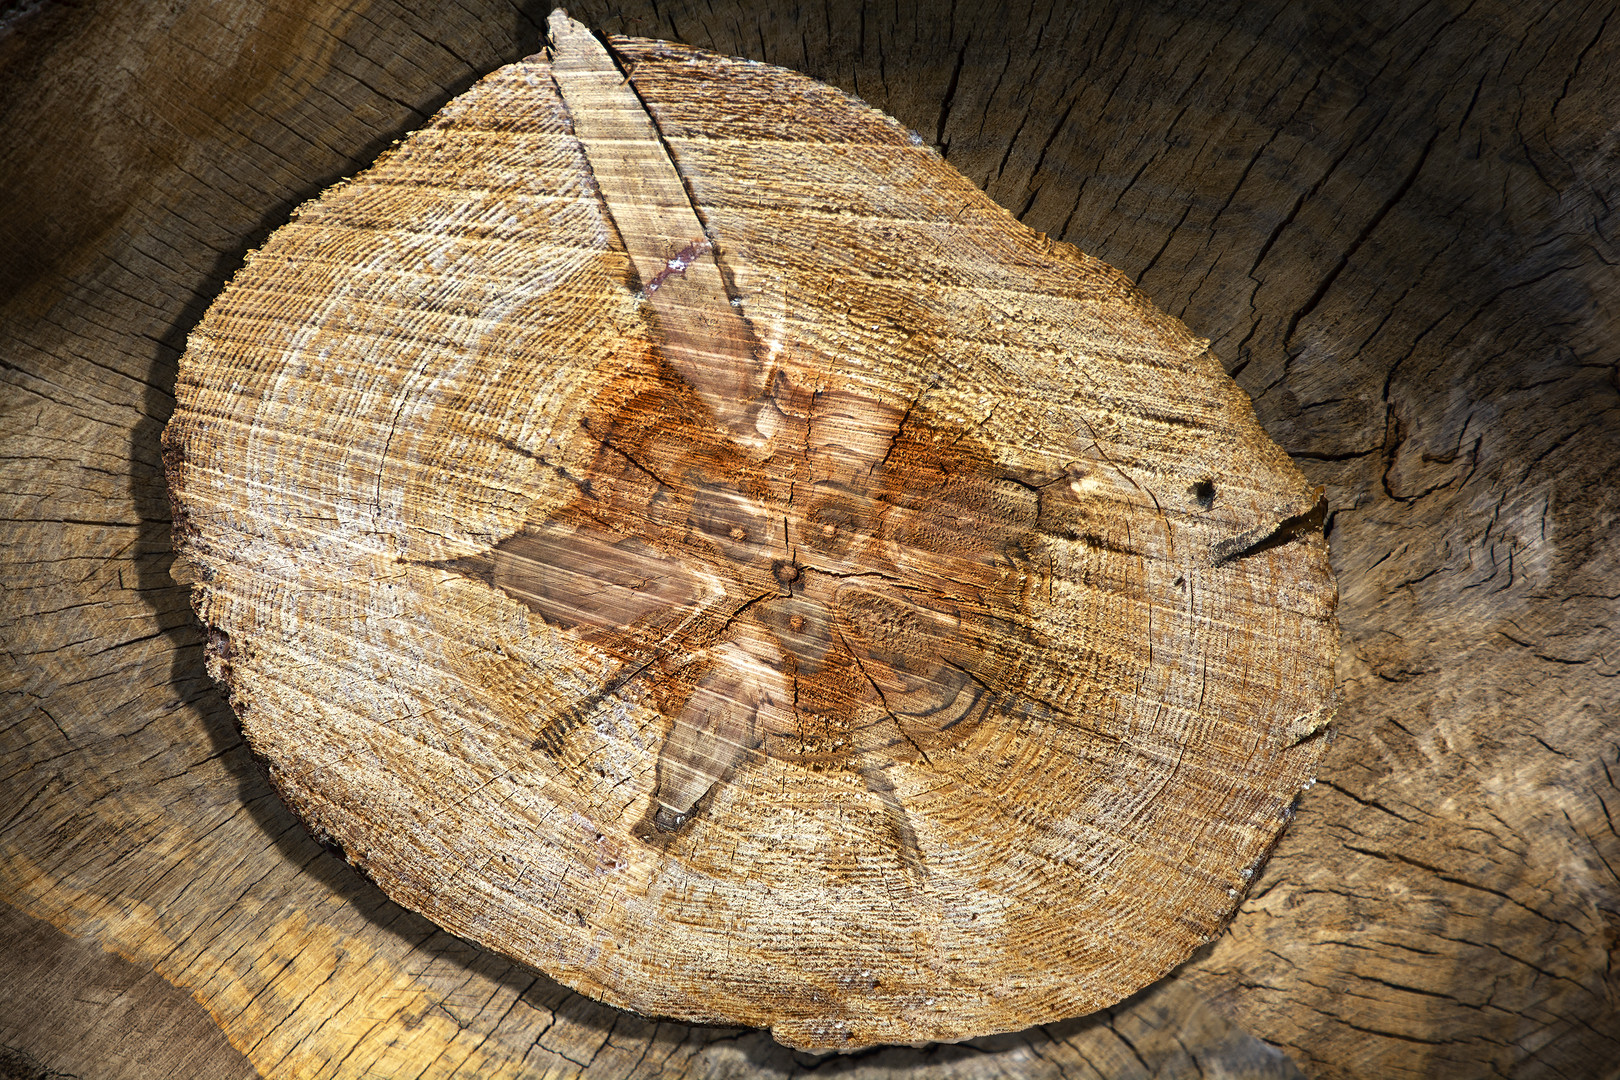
(1393, 221)
(664, 524)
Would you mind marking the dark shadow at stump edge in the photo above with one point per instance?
(1239, 1052)
(188, 674)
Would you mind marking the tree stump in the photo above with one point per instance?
(1393, 221)
(666, 525)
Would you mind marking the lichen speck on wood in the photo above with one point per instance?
(666, 525)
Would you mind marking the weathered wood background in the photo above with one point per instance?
(1393, 219)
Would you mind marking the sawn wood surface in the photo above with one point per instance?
(665, 524)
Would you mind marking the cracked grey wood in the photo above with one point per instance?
(1246, 163)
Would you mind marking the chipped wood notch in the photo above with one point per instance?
(666, 525)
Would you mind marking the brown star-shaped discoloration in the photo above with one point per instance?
(850, 591)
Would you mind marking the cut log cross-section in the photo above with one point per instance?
(665, 524)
